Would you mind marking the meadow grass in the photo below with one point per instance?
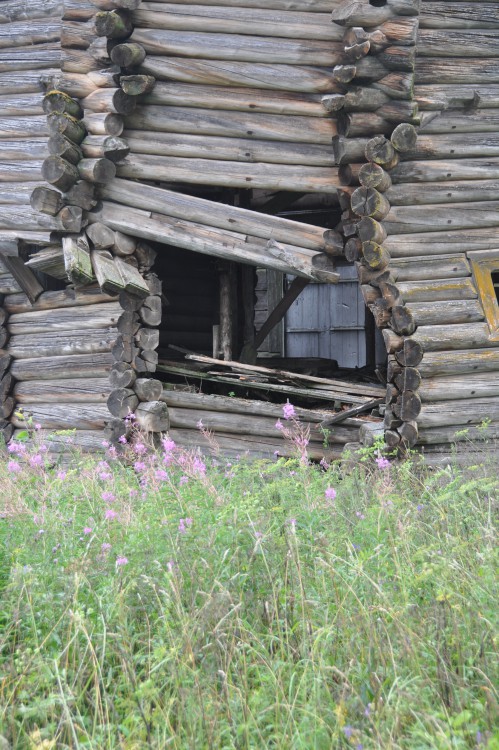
(166, 601)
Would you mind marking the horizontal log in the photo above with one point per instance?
(229, 20)
(25, 33)
(109, 100)
(443, 337)
(19, 303)
(228, 149)
(451, 43)
(103, 123)
(453, 387)
(18, 105)
(53, 344)
(82, 317)
(17, 171)
(438, 96)
(252, 75)
(20, 218)
(79, 61)
(450, 442)
(23, 150)
(409, 219)
(458, 412)
(459, 362)
(74, 390)
(23, 127)
(39, 57)
(413, 194)
(60, 367)
(432, 267)
(77, 34)
(25, 82)
(444, 312)
(439, 243)
(89, 416)
(310, 6)
(238, 48)
(17, 10)
(195, 237)
(214, 214)
(112, 4)
(477, 121)
(230, 174)
(437, 291)
(233, 124)
(253, 100)
(77, 10)
(476, 70)
(17, 193)
(459, 15)
(105, 146)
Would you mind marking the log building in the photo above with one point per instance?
(208, 208)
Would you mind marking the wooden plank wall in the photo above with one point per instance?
(29, 50)
(237, 99)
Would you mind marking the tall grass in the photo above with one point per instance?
(167, 602)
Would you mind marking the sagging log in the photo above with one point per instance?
(202, 211)
(188, 235)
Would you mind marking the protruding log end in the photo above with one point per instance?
(115, 24)
(128, 55)
(404, 137)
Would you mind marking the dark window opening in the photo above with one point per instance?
(495, 283)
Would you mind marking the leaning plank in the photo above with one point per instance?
(231, 174)
(24, 277)
(236, 47)
(74, 390)
(214, 214)
(60, 367)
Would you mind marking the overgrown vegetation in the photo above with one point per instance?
(165, 602)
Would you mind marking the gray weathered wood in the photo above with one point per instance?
(74, 390)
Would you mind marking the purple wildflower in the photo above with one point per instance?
(61, 475)
(383, 463)
(182, 529)
(139, 466)
(348, 731)
(199, 466)
(279, 425)
(13, 467)
(105, 547)
(122, 439)
(140, 449)
(183, 480)
(330, 493)
(38, 426)
(359, 515)
(121, 561)
(36, 460)
(87, 530)
(288, 410)
(110, 514)
(108, 497)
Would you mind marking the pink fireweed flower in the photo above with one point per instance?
(36, 460)
(200, 425)
(38, 426)
(183, 480)
(188, 521)
(288, 410)
(383, 463)
(182, 529)
(162, 475)
(112, 452)
(199, 466)
(61, 475)
(279, 425)
(140, 449)
(13, 467)
(110, 514)
(139, 466)
(108, 497)
(330, 493)
(121, 561)
(168, 445)
(105, 443)
(105, 547)
(87, 530)
(105, 475)
(18, 448)
(122, 439)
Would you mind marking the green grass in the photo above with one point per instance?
(253, 610)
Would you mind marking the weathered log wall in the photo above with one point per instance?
(438, 205)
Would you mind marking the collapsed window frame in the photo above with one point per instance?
(484, 265)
